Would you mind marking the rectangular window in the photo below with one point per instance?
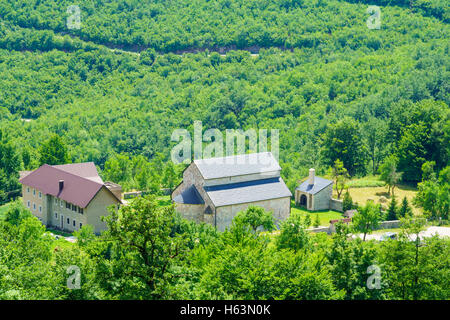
(74, 208)
(81, 225)
(68, 221)
(56, 201)
(67, 205)
(34, 192)
(28, 204)
(40, 209)
(28, 190)
(80, 210)
(34, 206)
(40, 194)
(56, 215)
(61, 203)
(74, 223)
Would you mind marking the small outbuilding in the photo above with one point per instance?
(316, 194)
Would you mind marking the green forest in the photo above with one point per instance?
(152, 253)
(373, 102)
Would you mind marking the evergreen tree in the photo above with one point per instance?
(392, 210)
(347, 203)
(307, 220)
(405, 210)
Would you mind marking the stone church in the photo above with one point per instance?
(214, 190)
(315, 194)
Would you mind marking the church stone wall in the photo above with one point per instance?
(191, 211)
(280, 208)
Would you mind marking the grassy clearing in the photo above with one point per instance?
(366, 182)
(324, 216)
(361, 195)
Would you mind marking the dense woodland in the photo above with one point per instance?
(152, 253)
(112, 92)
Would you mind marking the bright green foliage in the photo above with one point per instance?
(84, 235)
(367, 218)
(340, 176)
(434, 196)
(255, 217)
(10, 165)
(25, 272)
(428, 171)
(343, 92)
(317, 221)
(423, 138)
(374, 133)
(343, 141)
(151, 253)
(169, 178)
(411, 264)
(307, 221)
(143, 250)
(349, 261)
(389, 173)
(293, 234)
(53, 151)
(16, 213)
(347, 202)
(141, 174)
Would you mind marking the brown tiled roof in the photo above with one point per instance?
(80, 183)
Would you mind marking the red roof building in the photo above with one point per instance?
(69, 196)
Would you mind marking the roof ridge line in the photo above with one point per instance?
(72, 174)
(234, 155)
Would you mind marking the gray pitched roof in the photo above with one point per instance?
(189, 196)
(237, 165)
(319, 184)
(245, 192)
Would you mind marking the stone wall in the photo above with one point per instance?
(321, 200)
(192, 176)
(389, 224)
(280, 208)
(319, 229)
(191, 211)
(337, 205)
(331, 228)
(209, 218)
